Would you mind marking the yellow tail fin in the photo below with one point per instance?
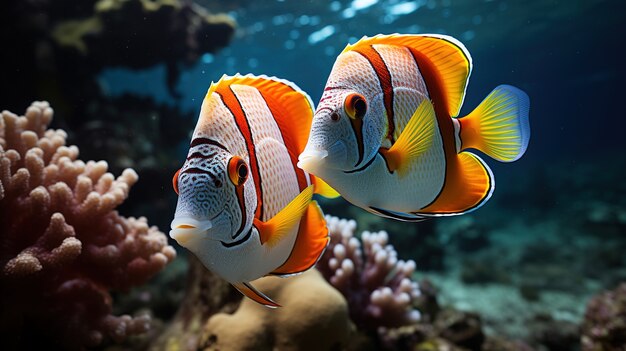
(499, 125)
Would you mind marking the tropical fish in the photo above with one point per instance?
(244, 208)
(386, 134)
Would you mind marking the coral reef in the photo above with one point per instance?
(63, 245)
(604, 327)
(387, 308)
(450, 329)
(376, 284)
(311, 308)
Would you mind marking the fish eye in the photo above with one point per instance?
(355, 106)
(237, 170)
(175, 181)
(242, 171)
(334, 117)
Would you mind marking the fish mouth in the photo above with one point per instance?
(185, 229)
(310, 159)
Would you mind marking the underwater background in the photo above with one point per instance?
(528, 270)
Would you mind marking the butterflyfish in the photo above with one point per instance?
(387, 136)
(244, 208)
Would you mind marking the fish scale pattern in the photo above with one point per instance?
(405, 76)
(278, 177)
(218, 123)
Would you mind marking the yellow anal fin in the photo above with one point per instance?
(322, 188)
(469, 184)
(274, 230)
(440, 56)
(310, 244)
(250, 292)
(499, 125)
(415, 139)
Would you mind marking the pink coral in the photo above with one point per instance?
(377, 285)
(62, 244)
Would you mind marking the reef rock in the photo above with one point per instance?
(314, 316)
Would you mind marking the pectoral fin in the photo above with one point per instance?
(274, 230)
(322, 188)
(249, 291)
(415, 139)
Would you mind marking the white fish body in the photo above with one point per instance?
(244, 208)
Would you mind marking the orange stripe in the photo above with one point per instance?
(277, 114)
(234, 106)
(384, 78)
(434, 86)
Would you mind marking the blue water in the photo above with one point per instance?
(564, 54)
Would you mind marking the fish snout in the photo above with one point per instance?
(311, 159)
(186, 229)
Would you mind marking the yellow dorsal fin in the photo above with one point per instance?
(415, 139)
(322, 188)
(469, 184)
(274, 230)
(310, 244)
(447, 57)
(249, 291)
(291, 107)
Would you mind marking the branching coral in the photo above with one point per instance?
(62, 245)
(377, 285)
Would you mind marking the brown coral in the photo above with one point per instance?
(62, 245)
(314, 316)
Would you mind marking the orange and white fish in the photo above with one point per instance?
(244, 207)
(386, 135)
